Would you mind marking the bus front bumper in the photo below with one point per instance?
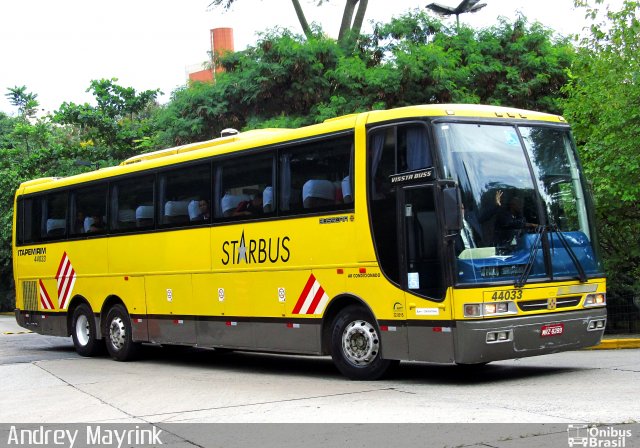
(481, 341)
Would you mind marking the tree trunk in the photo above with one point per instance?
(357, 23)
(302, 19)
(345, 26)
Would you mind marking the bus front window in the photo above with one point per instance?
(509, 208)
(562, 194)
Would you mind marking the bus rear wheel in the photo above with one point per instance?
(356, 345)
(83, 331)
(118, 335)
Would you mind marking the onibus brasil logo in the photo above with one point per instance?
(597, 436)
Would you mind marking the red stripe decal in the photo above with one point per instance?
(305, 293)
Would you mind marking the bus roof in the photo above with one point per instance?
(264, 137)
(461, 110)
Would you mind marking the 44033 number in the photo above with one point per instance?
(514, 294)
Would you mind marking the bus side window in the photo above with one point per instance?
(132, 204)
(89, 209)
(413, 148)
(29, 220)
(54, 216)
(185, 194)
(242, 186)
(313, 176)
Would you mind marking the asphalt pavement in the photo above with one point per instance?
(203, 398)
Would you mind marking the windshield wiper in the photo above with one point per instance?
(582, 276)
(540, 231)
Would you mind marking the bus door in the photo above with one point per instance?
(420, 254)
(422, 275)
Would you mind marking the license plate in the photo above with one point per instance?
(552, 330)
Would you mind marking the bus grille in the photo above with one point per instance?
(30, 296)
(537, 305)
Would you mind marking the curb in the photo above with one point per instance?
(616, 344)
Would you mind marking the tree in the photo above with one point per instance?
(350, 27)
(26, 102)
(603, 106)
(117, 125)
(27, 105)
(290, 80)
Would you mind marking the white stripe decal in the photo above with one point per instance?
(66, 281)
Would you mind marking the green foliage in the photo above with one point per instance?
(603, 106)
(121, 118)
(26, 102)
(287, 79)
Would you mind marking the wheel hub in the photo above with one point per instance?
(117, 333)
(360, 342)
(82, 330)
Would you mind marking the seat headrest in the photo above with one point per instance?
(176, 208)
(144, 212)
(321, 189)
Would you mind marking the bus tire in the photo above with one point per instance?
(83, 331)
(356, 345)
(118, 335)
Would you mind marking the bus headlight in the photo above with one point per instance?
(496, 308)
(598, 299)
(489, 309)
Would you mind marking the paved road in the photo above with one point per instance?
(43, 380)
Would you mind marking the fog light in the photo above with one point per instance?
(491, 337)
(503, 335)
(597, 324)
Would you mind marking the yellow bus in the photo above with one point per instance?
(438, 233)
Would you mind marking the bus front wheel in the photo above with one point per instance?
(83, 326)
(356, 345)
(118, 335)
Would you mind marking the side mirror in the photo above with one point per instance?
(452, 210)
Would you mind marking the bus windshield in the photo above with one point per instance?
(525, 213)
